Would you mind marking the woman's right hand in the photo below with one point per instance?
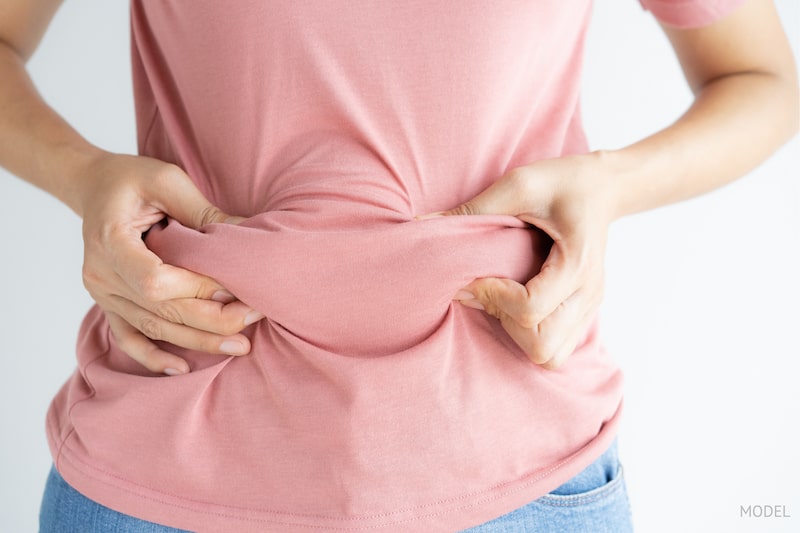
(119, 197)
(144, 300)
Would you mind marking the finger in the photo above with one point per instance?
(526, 304)
(149, 280)
(557, 280)
(541, 341)
(497, 296)
(143, 350)
(208, 315)
(156, 328)
(551, 341)
(504, 197)
(568, 322)
(167, 291)
(174, 193)
(503, 299)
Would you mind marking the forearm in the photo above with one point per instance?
(36, 144)
(735, 123)
(744, 77)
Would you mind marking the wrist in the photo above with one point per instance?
(76, 166)
(623, 181)
(604, 175)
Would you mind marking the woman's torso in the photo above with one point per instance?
(370, 400)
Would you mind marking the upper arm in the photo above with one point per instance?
(23, 23)
(749, 40)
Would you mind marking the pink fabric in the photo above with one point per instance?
(370, 402)
(690, 13)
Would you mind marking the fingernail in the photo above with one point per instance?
(232, 348)
(464, 295)
(173, 372)
(223, 297)
(474, 304)
(252, 316)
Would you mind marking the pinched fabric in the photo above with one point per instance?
(370, 400)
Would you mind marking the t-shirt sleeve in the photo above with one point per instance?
(690, 13)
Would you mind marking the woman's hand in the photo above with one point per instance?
(119, 197)
(745, 81)
(144, 299)
(569, 198)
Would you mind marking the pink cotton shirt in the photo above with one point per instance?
(370, 401)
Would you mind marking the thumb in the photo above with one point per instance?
(500, 297)
(180, 198)
(498, 199)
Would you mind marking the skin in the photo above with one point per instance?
(119, 197)
(746, 105)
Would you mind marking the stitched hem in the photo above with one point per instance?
(443, 515)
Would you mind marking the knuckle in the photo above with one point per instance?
(92, 239)
(467, 208)
(230, 321)
(494, 310)
(543, 350)
(223, 323)
(151, 328)
(168, 311)
(95, 285)
(151, 287)
(103, 239)
(548, 345)
(209, 215)
(528, 319)
(90, 277)
(229, 327)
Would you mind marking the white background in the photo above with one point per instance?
(701, 306)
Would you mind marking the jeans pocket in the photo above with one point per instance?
(593, 501)
(600, 506)
(587, 490)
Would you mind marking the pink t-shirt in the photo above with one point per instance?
(370, 401)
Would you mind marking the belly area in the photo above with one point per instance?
(377, 290)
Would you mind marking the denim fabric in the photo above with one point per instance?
(595, 500)
(65, 510)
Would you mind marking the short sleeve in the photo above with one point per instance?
(690, 13)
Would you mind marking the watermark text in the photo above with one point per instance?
(763, 511)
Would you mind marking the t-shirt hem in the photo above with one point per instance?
(456, 513)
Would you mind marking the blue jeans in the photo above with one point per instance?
(65, 510)
(595, 500)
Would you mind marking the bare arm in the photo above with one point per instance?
(119, 197)
(746, 105)
(35, 143)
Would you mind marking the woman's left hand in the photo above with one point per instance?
(569, 198)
